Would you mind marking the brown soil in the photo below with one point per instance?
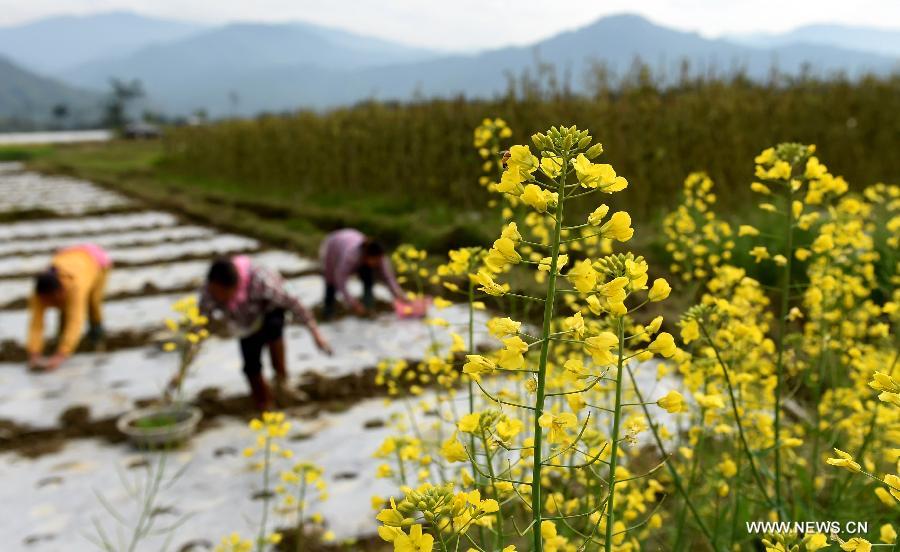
(313, 543)
(88, 233)
(13, 351)
(45, 214)
(314, 395)
(147, 262)
(44, 249)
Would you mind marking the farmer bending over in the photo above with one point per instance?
(347, 252)
(74, 284)
(253, 301)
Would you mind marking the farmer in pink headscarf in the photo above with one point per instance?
(349, 252)
(74, 283)
(253, 302)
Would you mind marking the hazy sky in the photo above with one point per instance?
(477, 24)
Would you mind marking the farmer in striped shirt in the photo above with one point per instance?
(349, 252)
(252, 301)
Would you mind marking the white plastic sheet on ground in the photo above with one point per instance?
(109, 224)
(51, 500)
(141, 254)
(23, 190)
(117, 239)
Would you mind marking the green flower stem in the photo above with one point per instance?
(614, 438)
(301, 514)
(151, 492)
(440, 535)
(870, 432)
(737, 504)
(695, 464)
(737, 418)
(498, 542)
(817, 419)
(549, 303)
(676, 478)
(267, 462)
(471, 332)
(782, 332)
(402, 468)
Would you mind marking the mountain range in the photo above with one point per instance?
(880, 41)
(245, 68)
(28, 100)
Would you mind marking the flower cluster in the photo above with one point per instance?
(778, 373)
(487, 139)
(697, 240)
(775, 364)
(299, 486)
(447, 513)
(548, 411)
(186, 334)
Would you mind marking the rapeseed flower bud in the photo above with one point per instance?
(844, 460)
(664, 345)
(659, 291)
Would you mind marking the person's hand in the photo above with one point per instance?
(322, 343)
(54, 362)
(35, 362)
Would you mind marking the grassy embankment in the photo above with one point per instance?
(279, 217)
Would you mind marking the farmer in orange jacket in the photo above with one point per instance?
(74, 283)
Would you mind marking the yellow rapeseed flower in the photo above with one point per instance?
(672, 402)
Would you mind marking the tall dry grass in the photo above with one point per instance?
(421, 152)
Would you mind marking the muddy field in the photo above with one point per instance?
(58, 445)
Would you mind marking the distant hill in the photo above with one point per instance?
(27, 98)
(277, 67)
(203, 70)
(247, 68)
(865, 39)
(57, 43)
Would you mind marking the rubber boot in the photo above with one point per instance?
(277, 356)
(262, 398)
(283, 395)
(96, 337)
